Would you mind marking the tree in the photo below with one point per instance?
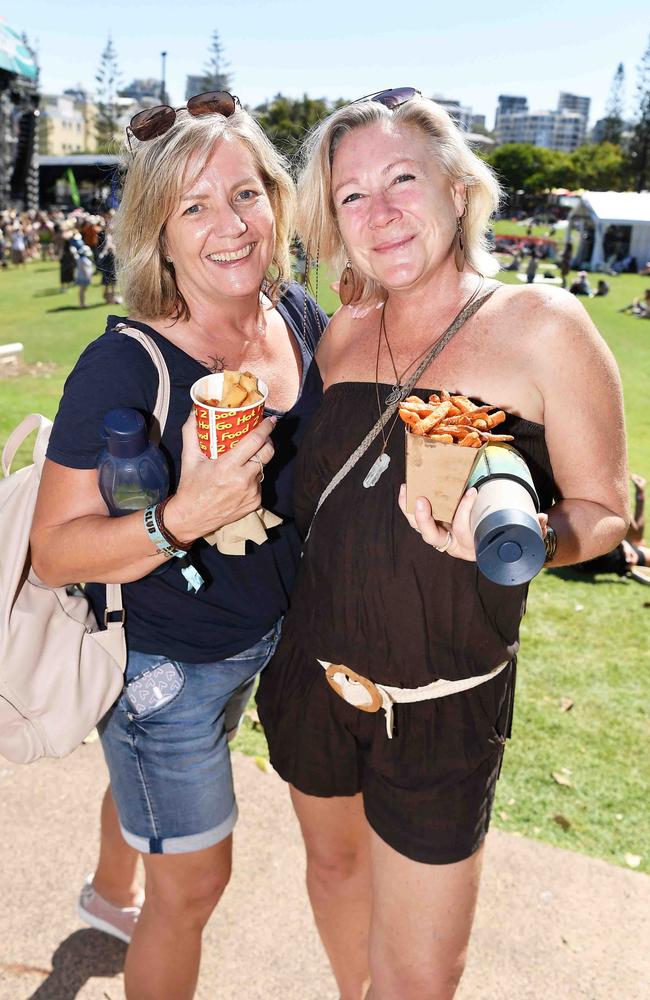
(215, 72)
(108, 80)
(286, 121)
(520, 166)
(613, 122)
(640, 142)
(598, 168)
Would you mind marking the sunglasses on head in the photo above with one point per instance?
(391, 98)
(154, 122)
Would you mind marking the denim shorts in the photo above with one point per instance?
(166, 745)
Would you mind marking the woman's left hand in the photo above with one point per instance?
(460, 538)
(461, 543)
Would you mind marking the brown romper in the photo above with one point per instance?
(372, 595)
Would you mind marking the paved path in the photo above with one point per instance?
(551, 925)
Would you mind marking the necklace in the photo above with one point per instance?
(396, 391)
(382, 461)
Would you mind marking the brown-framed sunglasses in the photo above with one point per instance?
(154, 122)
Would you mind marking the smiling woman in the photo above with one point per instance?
(168, 174)
(388, 702)
(202, 244)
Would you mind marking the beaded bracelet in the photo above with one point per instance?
(152, 525)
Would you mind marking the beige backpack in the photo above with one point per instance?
(59, 673)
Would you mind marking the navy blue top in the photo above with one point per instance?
(243, 595)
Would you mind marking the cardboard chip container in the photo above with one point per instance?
(438, 472)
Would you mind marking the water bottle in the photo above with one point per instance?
(133, 473)
(507, 537)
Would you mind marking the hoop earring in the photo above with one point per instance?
(350, 287)
(459, 242)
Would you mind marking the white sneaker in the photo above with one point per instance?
(119, 921)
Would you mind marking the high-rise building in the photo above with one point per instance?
(509, 105)
(142, 89)
(460, 114)
(560, 130)
(571, 102)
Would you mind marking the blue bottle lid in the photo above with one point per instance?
(125, 432)
(509, 547)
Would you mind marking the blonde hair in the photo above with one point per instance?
(155, 179)
(317, 222)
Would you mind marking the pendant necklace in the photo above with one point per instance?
(382, 461)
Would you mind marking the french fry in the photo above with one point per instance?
(422, 409)
(472, 440)
(253, 396)
(452, 419)
(486, 436)
(238, 389)
(410, 417)
(230, 379)
(435, 416)
(234, 397)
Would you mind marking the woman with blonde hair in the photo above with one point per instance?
(201, 237)
(393, 763)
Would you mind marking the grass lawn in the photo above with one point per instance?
(582, 640)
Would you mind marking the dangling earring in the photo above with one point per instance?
(169, 260)
(350, 288)
(459, 242)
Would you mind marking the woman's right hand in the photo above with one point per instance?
(212, 493)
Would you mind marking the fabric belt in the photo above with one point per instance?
(369, 696)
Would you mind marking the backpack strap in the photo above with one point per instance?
(161, 409)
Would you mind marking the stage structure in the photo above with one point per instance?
(19, 101)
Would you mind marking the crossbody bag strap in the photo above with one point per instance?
(465, 313)
(159, 419)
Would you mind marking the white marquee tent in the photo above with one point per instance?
(613, 226)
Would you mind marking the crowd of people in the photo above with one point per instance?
(387, 709)
(80, 241)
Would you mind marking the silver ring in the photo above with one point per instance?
(447, 543)
(259, 461)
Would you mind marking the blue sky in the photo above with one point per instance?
(471, 51)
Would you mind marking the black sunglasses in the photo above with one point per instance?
(391, 98)
(154, 122)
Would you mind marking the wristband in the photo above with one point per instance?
(550, 543)
(153, 530)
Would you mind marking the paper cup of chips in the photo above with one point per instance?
(227, 406)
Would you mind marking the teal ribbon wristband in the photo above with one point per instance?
(194, 579)
(156, 535)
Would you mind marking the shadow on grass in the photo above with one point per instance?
(91, 305)
(47, 291)
(573, 576)
(82, 956)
